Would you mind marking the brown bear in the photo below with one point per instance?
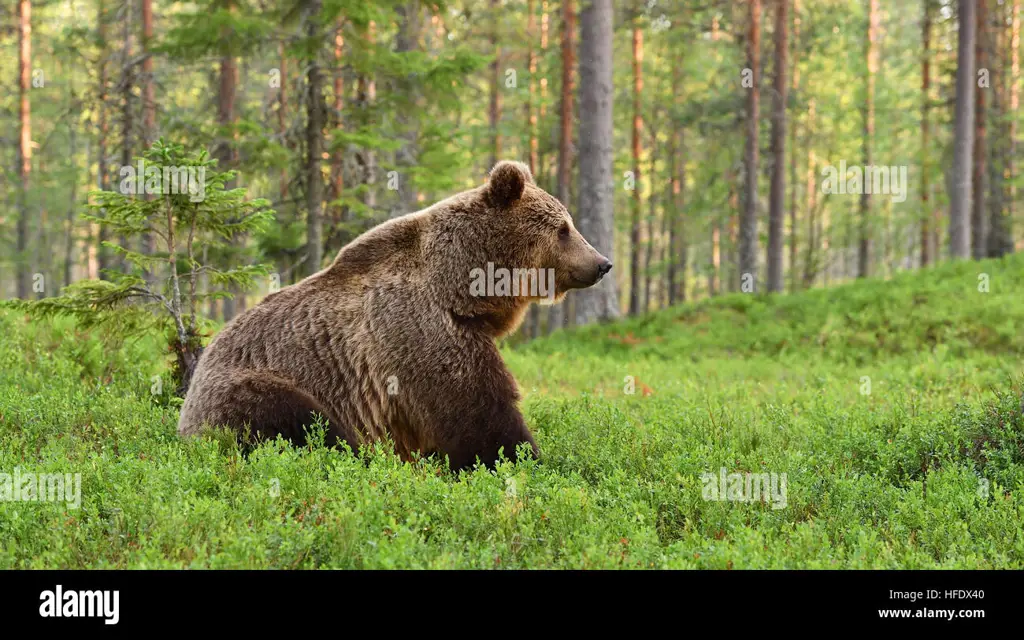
(397, 336)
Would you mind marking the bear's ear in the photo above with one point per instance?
(507, 181)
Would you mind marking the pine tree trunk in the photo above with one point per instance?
(778, 141)
(810, 197)
(556, 313)
(714, 277)
(148, 99)
(282, 118)
(337, 176)
(996, 237)
(652, 203)
(407, 40)
(367, 96)
(227, 85)
(596, 198)
(102, 171)
(495, 107)
(672, 211)
(315, 114)
(148, 92)
(127, 85)
(634, 235)
(864, 245)
(24, 143)
(531, 109)
(684, 240)
(69, 238)
(963, 136)
(793, 235)
(748, 218)
(979, 181)
(926, 37)
(1014, 106)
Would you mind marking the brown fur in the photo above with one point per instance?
(394, 312)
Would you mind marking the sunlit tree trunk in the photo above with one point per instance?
(777, 197)
(315, 116)
(963, 136)
(748, 218)
(864, 244)
(926, 38)
(594, 217)
(634, 234)
(979, 180)
(24, 143)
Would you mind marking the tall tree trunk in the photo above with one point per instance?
(556, 314)
(148, 92)
(673, 211)
(732, 282)
(996, 239)
(963, 136)
(406, 40)
(748, 218)
(228, 83)
(127, 85)
(793, 235)
(864, 246)
(778, 141)
(594, 217)
(367, 96)
(495, 106)
(979, 220)
(102, 171)
(926, 59)
(634, 233)
(535, 311)
(683, 241)
(24, 142)
(810, 197)
(714, 276)
(338, 152)
(1014, 106)
(531, 109)
(315, 116)
(148, 101)
(529, 328)
(69, 238)
(282, 117)
(652, 203)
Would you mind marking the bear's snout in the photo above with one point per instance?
(593, 273)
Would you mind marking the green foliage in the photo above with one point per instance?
(925, 470)
(190, 212)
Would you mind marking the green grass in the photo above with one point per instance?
(925, 471)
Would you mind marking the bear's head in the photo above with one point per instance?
(524, 248)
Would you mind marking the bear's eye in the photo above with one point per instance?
(563, 231)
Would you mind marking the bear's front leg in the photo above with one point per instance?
(485, 432)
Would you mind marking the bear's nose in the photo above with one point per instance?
(604, 268)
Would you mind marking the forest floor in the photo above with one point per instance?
(890, 408)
